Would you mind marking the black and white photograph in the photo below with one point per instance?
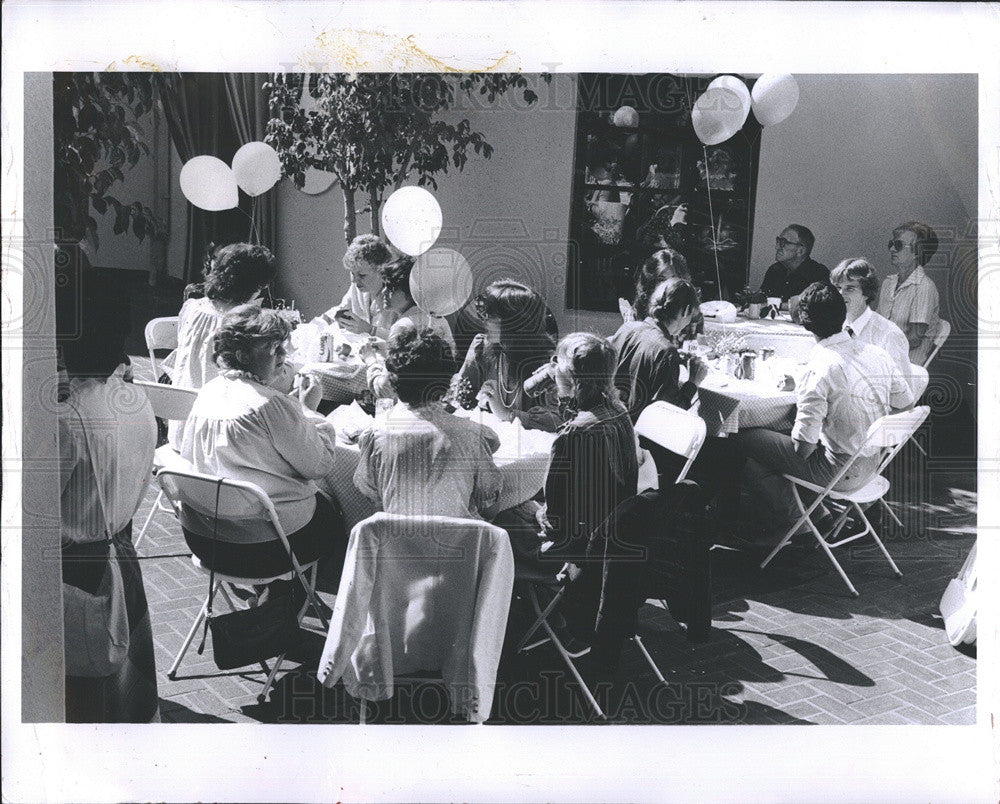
(458, 413)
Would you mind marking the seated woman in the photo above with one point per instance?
(856, 280)
(420, 459)
(242, 429)
(360, 311)
(234, 274)
(517, 341)
(107, 435)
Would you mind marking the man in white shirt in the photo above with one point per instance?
(909, 298)
(847, 386)
(855, 279)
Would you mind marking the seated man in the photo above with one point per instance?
(794, 270)
(909, 298)
(855, 279)
(848, 385)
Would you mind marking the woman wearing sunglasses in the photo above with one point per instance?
(909, 298)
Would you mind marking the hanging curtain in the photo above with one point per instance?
(200, 121)
(249, 110)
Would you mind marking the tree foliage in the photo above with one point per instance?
(96, 140)
(375, 130)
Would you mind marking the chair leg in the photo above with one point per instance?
(878, 541)
(540, 614)
(833, 559)
(791, 531)
(172, 673)
(649, 659)
(568, 660)
(270, 679)
(891, 513)
(152, 512)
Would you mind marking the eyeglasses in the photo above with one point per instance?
(896, 245)
(781, 242)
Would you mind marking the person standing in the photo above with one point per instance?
(794, 269)
(909, 298)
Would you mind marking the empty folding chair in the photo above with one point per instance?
(888, 434)
(233, 511)
(421, 593)
(173, 404)
(161, 333)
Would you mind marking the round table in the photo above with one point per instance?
(787, 339)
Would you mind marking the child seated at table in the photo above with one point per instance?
(420, 460)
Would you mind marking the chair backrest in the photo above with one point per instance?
(421, 593)
(891, 432)
(161, 333)
(246, 515)
(168, 401)
(676, 430)
(919, 378)
(943, 331)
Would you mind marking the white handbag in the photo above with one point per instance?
(958, 605)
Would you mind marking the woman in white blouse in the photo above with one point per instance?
(242, 429)
(234, 275)
(107, 435)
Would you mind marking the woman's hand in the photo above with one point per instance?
(490, 394)
(697, 370)
(477, 347)
(310, 392)
(542, 518)
(347, 320)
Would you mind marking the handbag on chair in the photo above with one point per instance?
(251, 635)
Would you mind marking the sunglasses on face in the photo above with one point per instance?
(896, 245)
(781, 242)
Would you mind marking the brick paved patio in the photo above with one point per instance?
(788, 645)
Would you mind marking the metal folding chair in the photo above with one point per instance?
(889, 434)
(161, 333)
(240, 506)
(943, 331)
(173, 404)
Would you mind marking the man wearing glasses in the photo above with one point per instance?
(909, 298)
(794, 270)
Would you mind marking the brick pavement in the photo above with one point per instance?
(788, 646)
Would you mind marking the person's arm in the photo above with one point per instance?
(770, 286)
(366, 475)
(900, 392)
(488, 480)
(296, 438)
(811, 412)
(560, 504)
(664, 380)
(469, 378)
(915, 334)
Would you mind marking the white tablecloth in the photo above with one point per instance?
(523, 459)
(788, 340)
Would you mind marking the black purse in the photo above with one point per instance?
(251, 635)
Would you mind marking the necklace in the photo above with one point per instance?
(240, 374)
(508, 396)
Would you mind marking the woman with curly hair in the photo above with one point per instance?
(519, 338)
(243, 429)
(234, 275)
(361, 308)
(420, 459)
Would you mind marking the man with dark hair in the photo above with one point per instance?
(909, 298)
(847, 386)
(794, 270)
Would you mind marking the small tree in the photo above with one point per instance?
(96, 139)
(373, 130)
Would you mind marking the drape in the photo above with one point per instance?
(214, 114)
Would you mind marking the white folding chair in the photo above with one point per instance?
(677, 430)
(888, 434)
(245, 515)
(943, 331)
(421, 593)
(919, 379)
(173, 404)
(161, 333)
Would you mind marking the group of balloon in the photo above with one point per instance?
(441, 280)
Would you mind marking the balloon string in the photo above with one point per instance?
(711, 218)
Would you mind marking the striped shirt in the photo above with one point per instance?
(914, 301)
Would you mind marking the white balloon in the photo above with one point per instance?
(257, 168)
(626, 117)
(209, 183)
(411, 219)
(775, 96)
(441, 281)
(717, 115)
(734, 84)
